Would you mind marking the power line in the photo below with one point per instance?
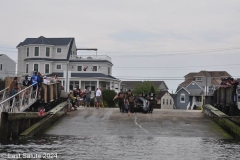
(140, 67)
(216, 49)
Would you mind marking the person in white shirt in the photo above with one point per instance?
(45, 80)
(98, 97)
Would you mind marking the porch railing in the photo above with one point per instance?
(90, 57)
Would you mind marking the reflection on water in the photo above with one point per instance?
(126, 147)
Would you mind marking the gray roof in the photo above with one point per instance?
(162, 93)
(96, 75)
(132, 83)
(195, 92)
(46, 41)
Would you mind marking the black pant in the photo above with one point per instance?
(121, 105)
(131, 107)
(151, 103)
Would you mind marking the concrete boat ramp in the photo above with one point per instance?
(163, 123)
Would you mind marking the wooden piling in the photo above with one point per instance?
(4, 126)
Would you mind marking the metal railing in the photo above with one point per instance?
(90, 57)
(3, 93)
(20, 101)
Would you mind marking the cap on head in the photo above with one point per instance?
(44, 77)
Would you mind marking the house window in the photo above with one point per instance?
(35, 67)
(91, 84)
(59, 50)
(26, 68)
(79, 68)
(182, 98)
(1, 67)
(36, 51)
(163, 101)
(73, 84)
(46, 68)
(167, 101)
(47, 51)
(27, 51)
(170, 102)
(59, 66)
(94, 68)
(198, 78)
(109, 70)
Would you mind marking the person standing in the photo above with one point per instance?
(99, 97)
(45, 81)
(35, 79)
(88, 96)
(26, 82)
(95, 98)
(13, 89)
(81, 97)
(121, 100)
(152, 99)
(131, 102)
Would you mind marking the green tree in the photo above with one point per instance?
(108, 96)
(145, 86)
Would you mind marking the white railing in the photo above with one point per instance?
(188, 106)
(20, 101)
(90, 57)
(3, 93)
(198, 104)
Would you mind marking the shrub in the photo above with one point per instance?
(108, 96)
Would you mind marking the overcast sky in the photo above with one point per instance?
(146, 39)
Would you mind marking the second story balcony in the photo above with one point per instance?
(90, 57)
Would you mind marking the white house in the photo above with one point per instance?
(7, 67)
(165, 100)
(59, 56)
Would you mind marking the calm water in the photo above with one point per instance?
(124, 147)
(108, 134)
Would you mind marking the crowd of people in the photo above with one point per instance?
(81, 98)
(36, 80)
(128, 99)
(228, 82)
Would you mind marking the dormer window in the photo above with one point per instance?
(198, 78)
(59, 50)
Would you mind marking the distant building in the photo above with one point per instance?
(59, 56)
(7, 67)
(190, 93)
(160, 85)
(165, 100)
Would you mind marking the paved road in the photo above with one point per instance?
(163, 123)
